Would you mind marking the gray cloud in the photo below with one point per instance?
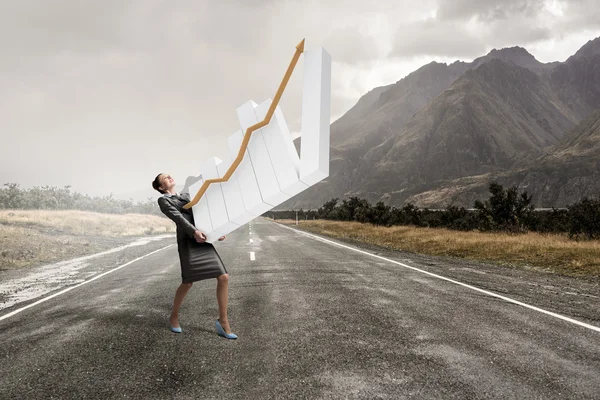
(432, 37)
(44, 28)
(579, 15)
(468, 28)
(488, 10)
(353, 46)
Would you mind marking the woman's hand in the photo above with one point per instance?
(222, 238)
(200, 237)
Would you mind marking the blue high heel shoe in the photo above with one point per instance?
(176, 330)
(221, 331)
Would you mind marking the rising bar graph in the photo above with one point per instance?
(263, 168)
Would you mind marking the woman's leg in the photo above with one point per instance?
(222, 296)
(179, 296)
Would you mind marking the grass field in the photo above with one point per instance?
(552, 253)
(29, 237)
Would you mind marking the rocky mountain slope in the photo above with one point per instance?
(433, 137)
(569, 171)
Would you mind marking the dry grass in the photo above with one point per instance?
(77, 222)
(30, 237)
(553, 253)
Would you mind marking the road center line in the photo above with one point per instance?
(508, 299)
(10, 314)
(252, 256)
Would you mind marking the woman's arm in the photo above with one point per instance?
(173, 213)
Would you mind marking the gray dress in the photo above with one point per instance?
(198, 260)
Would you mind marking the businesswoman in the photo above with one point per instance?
(199, 259)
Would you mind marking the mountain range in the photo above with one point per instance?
(438, 136)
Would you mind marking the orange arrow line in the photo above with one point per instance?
(264, 122)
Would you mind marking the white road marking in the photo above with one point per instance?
(252, 256)
(10, 314)
(251, 241)
(508, 299)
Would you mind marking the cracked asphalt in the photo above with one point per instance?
(314, 320)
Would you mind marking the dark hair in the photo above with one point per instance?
(156, 184)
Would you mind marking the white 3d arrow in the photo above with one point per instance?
(263, 168)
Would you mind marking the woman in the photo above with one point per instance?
(199, 260)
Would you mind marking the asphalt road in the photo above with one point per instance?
(314, 320)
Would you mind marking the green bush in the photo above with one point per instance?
(584, 219)
(506, 210)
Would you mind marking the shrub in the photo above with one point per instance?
(505, 210)
(584, 219)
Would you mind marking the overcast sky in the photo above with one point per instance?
(104, 95)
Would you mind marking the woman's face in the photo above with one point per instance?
(166, 181)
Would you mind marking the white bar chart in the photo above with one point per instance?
(271, 171)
